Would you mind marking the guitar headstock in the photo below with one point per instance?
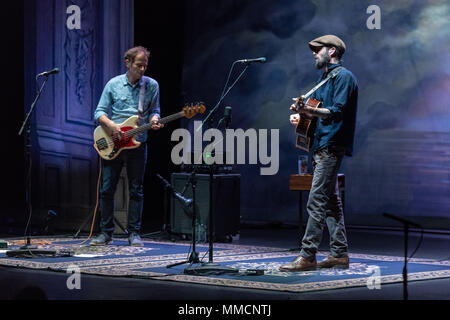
(192, 110)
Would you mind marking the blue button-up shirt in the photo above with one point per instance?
(120, 100)
(340, 96)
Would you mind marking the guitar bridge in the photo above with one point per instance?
(303, 142)
(102, 144)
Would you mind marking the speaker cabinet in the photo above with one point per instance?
(226, 204)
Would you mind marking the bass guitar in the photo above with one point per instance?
(109, 148)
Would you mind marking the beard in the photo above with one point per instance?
(322, 61)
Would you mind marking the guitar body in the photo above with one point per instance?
(306, 127)
(109, 149)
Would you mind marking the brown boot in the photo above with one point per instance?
(333, 262)
(300, 264)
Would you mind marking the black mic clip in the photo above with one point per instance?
(227, 116)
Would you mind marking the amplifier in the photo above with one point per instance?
(225, 206)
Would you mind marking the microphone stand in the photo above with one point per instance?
(406, 225)
(28, 249)
(193, 257)
(184, 202)
(211, 267)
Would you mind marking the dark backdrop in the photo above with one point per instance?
(401, 161)
(12, 155)
(160, 27)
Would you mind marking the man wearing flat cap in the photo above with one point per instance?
(333, 138)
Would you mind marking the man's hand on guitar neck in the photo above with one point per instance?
(156, 125)
(299, 104)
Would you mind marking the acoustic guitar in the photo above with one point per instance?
(306, 127)
(109, 148)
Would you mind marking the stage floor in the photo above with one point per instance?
(19, 281)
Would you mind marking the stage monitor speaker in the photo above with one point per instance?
(226, 204)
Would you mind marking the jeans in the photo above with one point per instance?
(325, 206)
(135, 161)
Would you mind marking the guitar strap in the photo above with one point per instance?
(332, 74)
(142, 97)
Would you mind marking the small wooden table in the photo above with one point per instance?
(302, 183)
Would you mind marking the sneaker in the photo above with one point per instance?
(101, 240)
(134, 240)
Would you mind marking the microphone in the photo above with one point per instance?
(227, 116)
(185, 201)
(259, 60)
(47, 73)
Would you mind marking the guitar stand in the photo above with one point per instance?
(125, 230)
(165, 232)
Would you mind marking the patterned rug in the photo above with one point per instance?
(257, 267)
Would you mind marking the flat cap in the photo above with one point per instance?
(328, 40)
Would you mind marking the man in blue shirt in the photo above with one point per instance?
(332, 140)
(121, 98)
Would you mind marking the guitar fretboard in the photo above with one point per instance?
(148, 126)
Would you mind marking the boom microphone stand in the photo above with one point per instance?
(193, 257)
(406, 225)
(186, 204)
(28, 249)
(211, 267)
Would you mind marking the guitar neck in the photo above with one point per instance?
(148, 126)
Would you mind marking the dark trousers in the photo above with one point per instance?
(135, 161)
(325, 206)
